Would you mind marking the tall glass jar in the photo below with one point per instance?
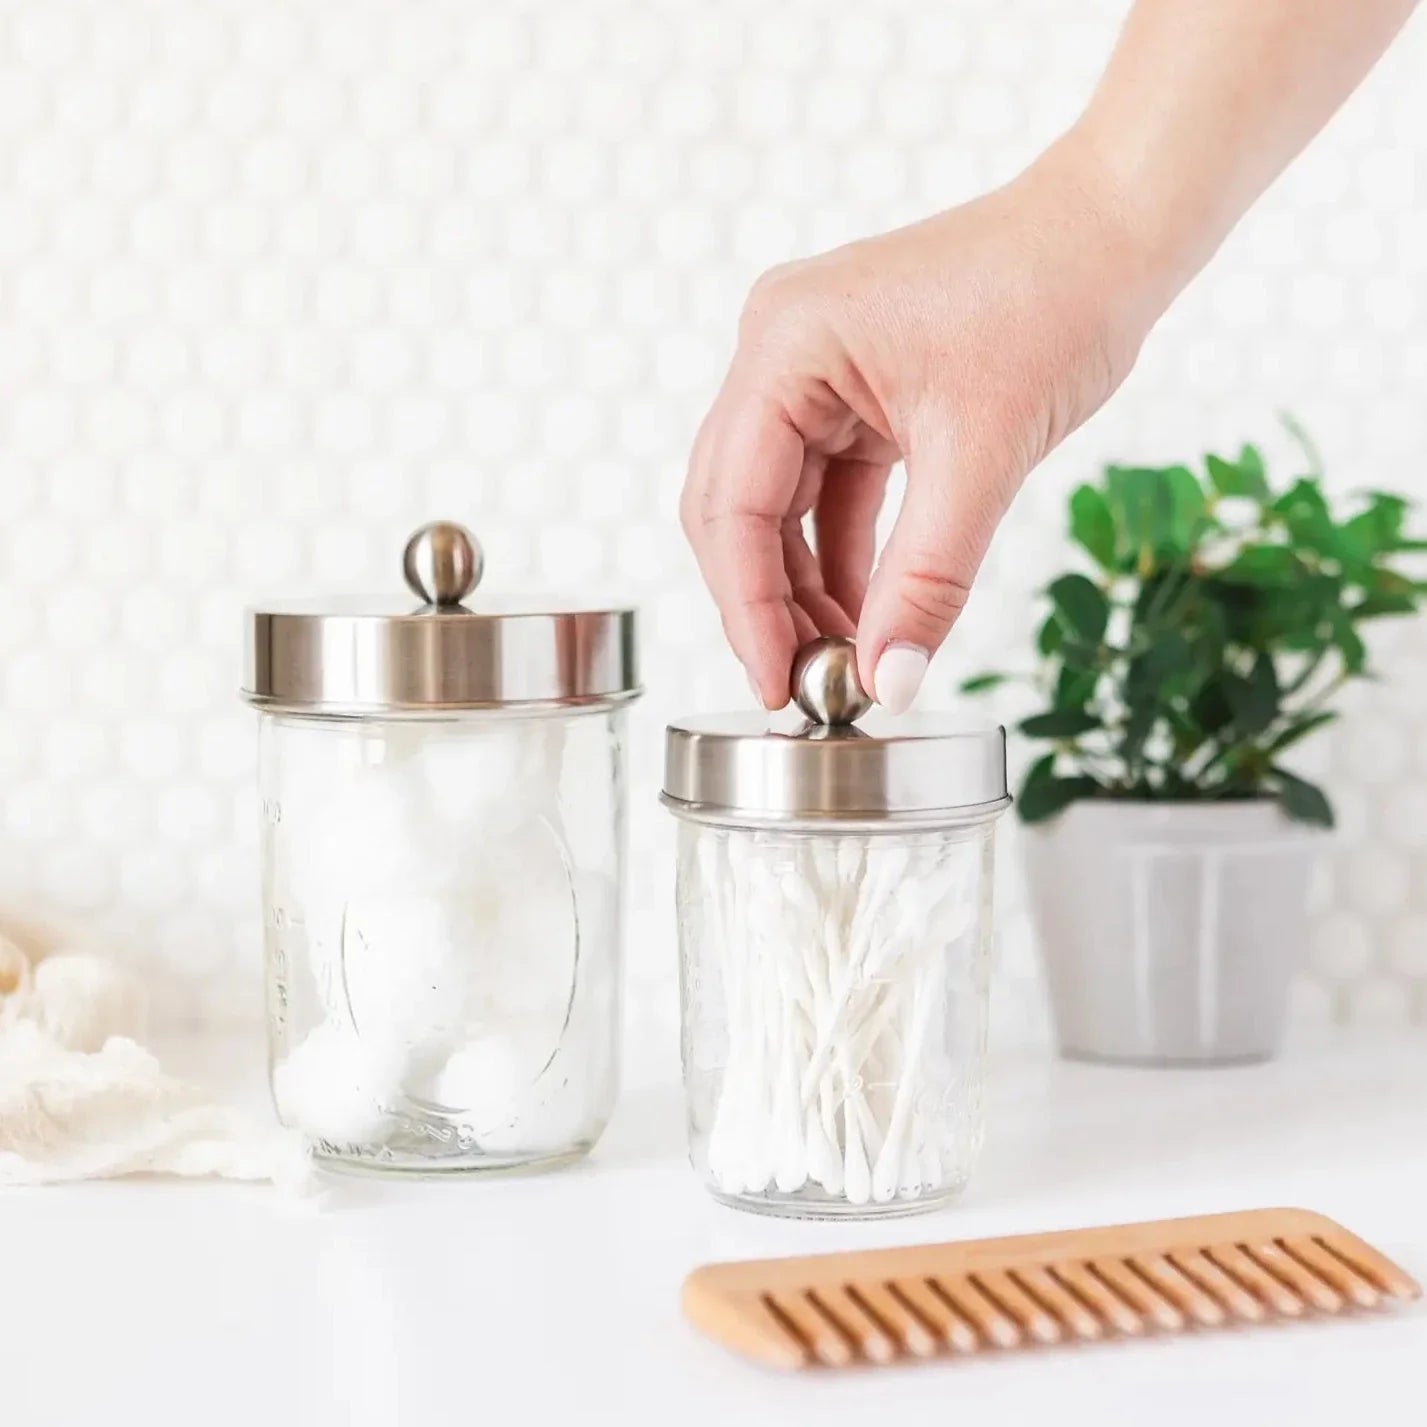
(834, 905)
(442, 847)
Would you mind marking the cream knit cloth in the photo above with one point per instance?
(80, 1098)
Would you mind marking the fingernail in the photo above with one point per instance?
(753, 686)
(899, 675)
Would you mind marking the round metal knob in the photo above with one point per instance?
(443, 563)
(825, 682)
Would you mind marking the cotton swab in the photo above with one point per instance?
(833, 965)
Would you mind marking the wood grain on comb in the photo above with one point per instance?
(881, 1305)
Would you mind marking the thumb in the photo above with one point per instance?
(949, 513)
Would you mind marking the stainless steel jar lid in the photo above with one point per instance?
(374, 658)
(918, 771)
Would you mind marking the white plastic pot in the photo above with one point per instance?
(1170, 932)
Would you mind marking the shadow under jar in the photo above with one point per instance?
(834, 908)
(442, 849)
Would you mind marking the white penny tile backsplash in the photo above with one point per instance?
(281, 279)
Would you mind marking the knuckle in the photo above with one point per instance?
(934, 596)
(772, 295)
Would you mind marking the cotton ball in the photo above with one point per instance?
(482, 1083)
(533, 931)
(353, 814)
(411, 964)
(14, 969)
(378, 831)
(515, 1104)
(478, 781)
(337, 1087)
(82, 1000)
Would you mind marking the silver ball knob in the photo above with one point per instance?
(825, 682)
(443, 563)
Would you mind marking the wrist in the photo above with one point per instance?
(1098, 244)
(1161, 228)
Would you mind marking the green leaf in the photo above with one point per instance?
(1385, 581)
(1165, 659)
(1244, 477)
(1265, 566)
(1060, 723)
(1373, 532)
(982, 682)
(1184, 730)
(1142, 504)
(1074, 687)
(1084, 657)
(1386, 514)
(1301, 800)
(1039, 771)
(1376, 606)
(1252, 466)
(1300, 729)
(1188, 509)
(1294, 616)
(1043, 794)
(1050, 637)
(1092, 526)
(1084, 611)
(1138, 727)
(1210, 707)
(1254, 700)
(1348, 642)
(1304, 511)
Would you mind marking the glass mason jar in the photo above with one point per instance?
(442, 847)
(834, 908)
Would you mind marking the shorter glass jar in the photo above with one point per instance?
(442, 839)
(834, 905)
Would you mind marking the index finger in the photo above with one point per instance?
(742, 481)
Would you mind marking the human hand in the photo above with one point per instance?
(969, 346)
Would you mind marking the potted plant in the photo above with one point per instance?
(1169, 844)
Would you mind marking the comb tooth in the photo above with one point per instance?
(991, 1322)
(1251, 1273)
(1044, 1288)
(937, 1313)
(1308, 1286)
(1061, 1301)
(1333, 1272)
(1379, 1270)
(1212, 1278)
(1133, 1288)
(1122, 1316)
(808, 1321)
(771, 1338)
(1030, 1313)
(1179, 1288)
(895, 1318)
(861, 1326)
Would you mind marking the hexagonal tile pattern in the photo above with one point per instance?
(280, 280)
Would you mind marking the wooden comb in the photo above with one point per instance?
(881, 1304)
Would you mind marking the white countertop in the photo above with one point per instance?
(556, 1298)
